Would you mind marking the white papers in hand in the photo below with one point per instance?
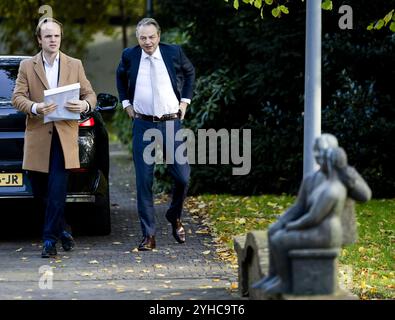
(60, 96)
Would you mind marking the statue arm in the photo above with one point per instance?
(357, 187)
(322, 207)
(294, 212)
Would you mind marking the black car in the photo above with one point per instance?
(88, 187)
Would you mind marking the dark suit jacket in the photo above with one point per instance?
(180, 69)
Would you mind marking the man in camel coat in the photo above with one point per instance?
(51, 149)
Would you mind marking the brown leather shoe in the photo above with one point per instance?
(178, 229)
(147, 244)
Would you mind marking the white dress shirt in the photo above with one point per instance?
(143, 97)
(52, 74)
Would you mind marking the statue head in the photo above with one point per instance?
(321, 144)
(335, 159)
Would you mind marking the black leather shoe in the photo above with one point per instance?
(178, 229)
(147, 244)
(49, 249)
(68, 242)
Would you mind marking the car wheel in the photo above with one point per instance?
(101, 219)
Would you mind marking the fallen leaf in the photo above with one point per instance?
(206, 252)
(19, 250)
(87, 274)
(202, 231)
(234, 285)
(117, 243)
(205, 287)
(93, 262)
(142, 289)
(129, 271)
(135, 250)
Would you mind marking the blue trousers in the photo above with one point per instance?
(51, 190)
(144, 173)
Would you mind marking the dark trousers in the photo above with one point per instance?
(50, 189)
(144, 173)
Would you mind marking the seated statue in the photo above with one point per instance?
(315, 220)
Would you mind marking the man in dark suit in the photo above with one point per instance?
(155, 84)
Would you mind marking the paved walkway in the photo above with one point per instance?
(110, 267)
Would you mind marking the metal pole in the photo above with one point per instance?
(312, 107)
(150, 8)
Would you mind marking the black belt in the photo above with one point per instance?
(165, 117)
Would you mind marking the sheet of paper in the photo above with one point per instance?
(60, 96)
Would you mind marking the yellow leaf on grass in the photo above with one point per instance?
(361, 249)
(202, 231)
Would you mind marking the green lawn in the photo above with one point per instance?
(368, 265)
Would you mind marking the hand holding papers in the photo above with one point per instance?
(78, 106)
(60, 96)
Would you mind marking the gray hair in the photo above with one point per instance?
(146, 22)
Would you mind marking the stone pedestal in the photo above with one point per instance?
(314, 271)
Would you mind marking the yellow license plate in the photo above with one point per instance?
(11, 179)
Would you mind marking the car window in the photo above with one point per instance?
(8, 76)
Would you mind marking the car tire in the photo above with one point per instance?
(101, 219)
(92, 219)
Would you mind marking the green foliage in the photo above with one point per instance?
(81, 19)
(250, 74)
(327, 5)
(175, 36)
(123, 127)
(384, 22)
(212, 92)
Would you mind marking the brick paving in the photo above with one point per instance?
(108, 267)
